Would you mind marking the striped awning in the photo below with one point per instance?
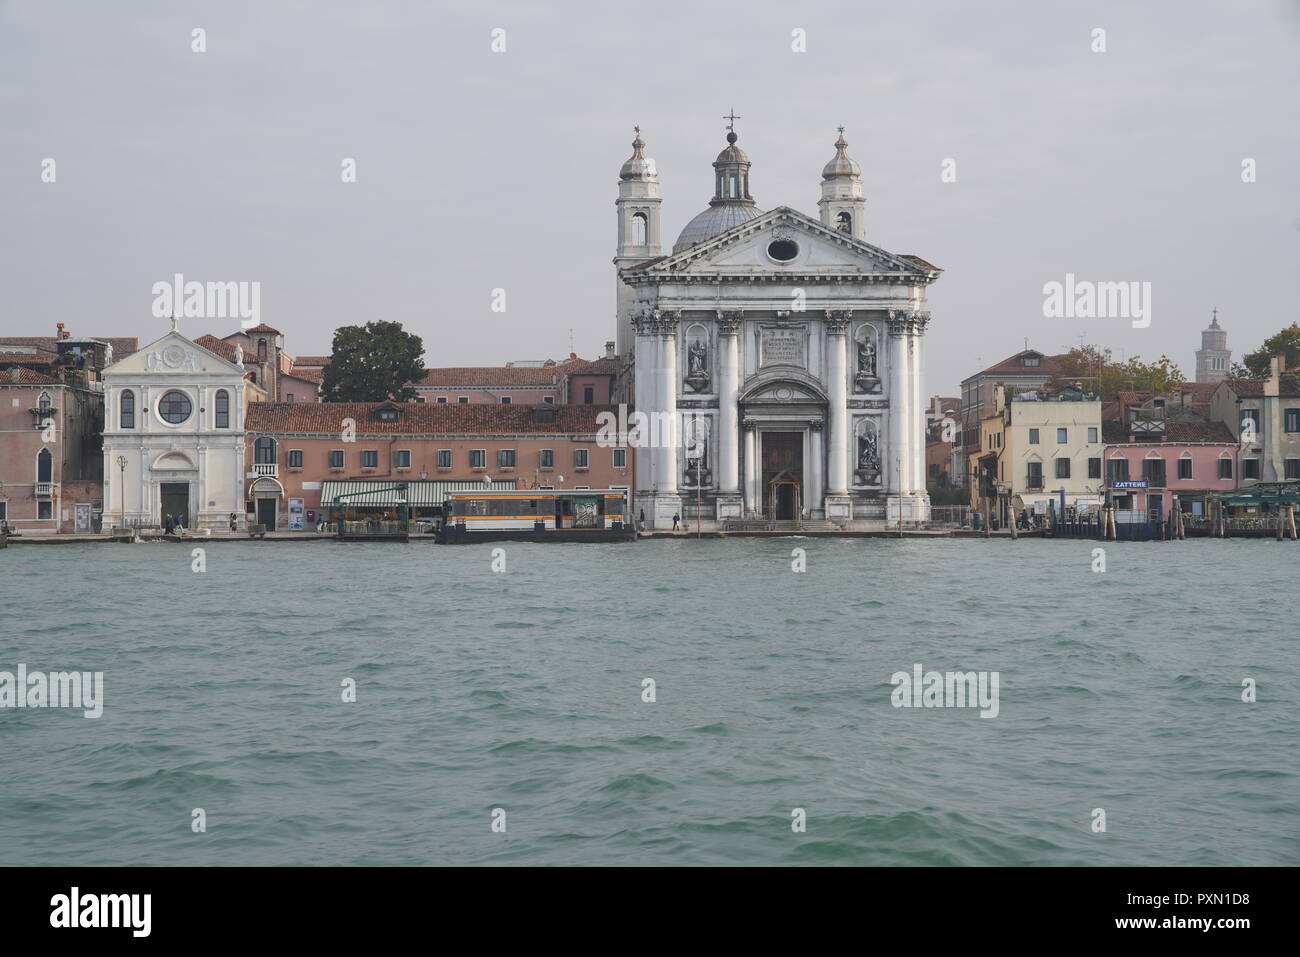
(382, 494)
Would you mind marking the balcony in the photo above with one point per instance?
(270, 470)
(44, 489)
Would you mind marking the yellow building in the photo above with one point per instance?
(1038, 448)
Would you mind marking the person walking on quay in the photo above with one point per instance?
(180, 526)
(676, 518)
(167, 524)
(233, 521)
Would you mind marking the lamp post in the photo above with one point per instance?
(121, 485)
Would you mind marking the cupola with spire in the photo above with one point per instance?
(731, 204)
(842, 205)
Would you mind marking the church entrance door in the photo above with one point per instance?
(782, 474)
(175, 500)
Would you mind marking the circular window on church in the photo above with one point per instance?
(783, 250)
(174, 407)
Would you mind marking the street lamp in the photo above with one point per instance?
(121, 485)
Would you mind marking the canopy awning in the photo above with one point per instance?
(384, 495)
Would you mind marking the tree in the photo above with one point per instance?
(1285, 342)
(1096, 371)
(372, 363)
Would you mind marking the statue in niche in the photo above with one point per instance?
(697, 457)
(868, 471)
(697, 366)
(866, 377)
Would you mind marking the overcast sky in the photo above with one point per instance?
(479, 170)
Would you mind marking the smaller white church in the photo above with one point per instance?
(174, 436)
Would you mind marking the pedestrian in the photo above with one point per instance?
(676, 519)
(233, 522)
(167, 524)
(180, 525)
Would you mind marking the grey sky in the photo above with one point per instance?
(479, 170)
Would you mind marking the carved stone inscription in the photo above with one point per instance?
(783, 347)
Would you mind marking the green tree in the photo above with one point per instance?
(372, 363)
(1285, 342)
(1095, 370)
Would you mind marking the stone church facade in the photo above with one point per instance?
(781, 356)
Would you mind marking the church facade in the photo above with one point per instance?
(780, 356)
(174, 435)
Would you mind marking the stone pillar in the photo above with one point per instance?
(838, 503)
(751, 468)
(645, 358)
(668, 402)
(896, 463)
(815, 487)
(918, 422)
(727, 441)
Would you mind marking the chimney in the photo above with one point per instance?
(609, 349)
(15, 374)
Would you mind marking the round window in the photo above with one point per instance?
(174, 407)
(783, 250)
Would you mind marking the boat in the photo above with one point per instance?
(534, 515)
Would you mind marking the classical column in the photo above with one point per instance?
(815, 488)
(728, 440)
(645, 357)
(917, 374)
(751, 468)
(668, 458)
(897, 464)
(837, 380)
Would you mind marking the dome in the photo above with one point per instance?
(637, 166)
(841, 164)
(715, 220)
(733, 155)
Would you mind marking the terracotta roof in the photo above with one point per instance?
(1047, 366)
(507, 376)
(421, 418)
(26, 358)
(917, 260)
(311, 375)
(1254, 388)
(1182, 429)
(218, 346)
(263, 327)
(27, 377)
(122, 347)
(319, 362)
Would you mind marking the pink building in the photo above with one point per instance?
(51, 466)
(298, 453)
(1156, 451)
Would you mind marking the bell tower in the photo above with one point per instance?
(638, 230)
(1214, 358)
(842, 204)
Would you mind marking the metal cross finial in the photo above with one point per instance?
(841, 129)
(1215, 314)
(637, 130)
(731, 118)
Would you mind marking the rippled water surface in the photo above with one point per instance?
(522, 690)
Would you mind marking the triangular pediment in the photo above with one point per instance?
(173, 354)
(812, 248)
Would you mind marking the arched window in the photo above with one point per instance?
(844, 222)
(264, 451)
(128, 410)
(44, 402)
(44, 466)
(639, 230)
(223, 409)
(261, 348)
